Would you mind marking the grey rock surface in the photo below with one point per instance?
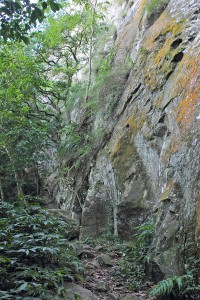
(76, 290)
(105, 260)
(147, 165)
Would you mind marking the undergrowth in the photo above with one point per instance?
(36, 258)
(181, 287)
(131, 268)
(135, 257)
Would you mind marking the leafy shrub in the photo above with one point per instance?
(36, 258)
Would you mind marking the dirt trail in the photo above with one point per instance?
(100, 278)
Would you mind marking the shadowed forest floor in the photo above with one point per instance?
(103, 275)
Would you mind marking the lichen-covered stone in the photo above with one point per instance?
(148, 164)
(154, 150)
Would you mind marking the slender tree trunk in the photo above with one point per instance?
(17, 179)
(1, 191)
(115, 220)
(93, 6)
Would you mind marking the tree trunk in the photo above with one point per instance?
(93, 6)
(1, 191)
(115, 220)
(20, 193)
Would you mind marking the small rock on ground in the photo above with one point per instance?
(105, 260)
(130, 297)
(75, 289)
(101, 287)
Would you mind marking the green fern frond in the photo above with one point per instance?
(179, 281)
(164, 287)
(191, 289)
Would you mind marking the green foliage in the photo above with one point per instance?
(17, 17)
(37, 82)
(119, 2)
(134, 257)
(152, 5)
(130, 269)
(76, 143)
(179, 286)
(107, 86)
(25, 123)
(36, 257)
(183, 286)
(144, 234)
(166, 286)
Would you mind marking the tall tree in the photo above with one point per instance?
(24, 118)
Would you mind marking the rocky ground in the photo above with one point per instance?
(101, 281)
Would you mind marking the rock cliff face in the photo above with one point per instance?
(148, 164)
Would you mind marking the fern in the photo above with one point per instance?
(167, 286)
(164, 287)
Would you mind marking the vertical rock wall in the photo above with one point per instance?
(150, 165)
(146, 165)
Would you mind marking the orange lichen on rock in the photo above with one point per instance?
(187, 107)
(122, 156)
(155, 30)
(174, 27)
(123, 152)
(115, 150)
(150, 74)
(162, 27)
(158, 101)
(131, 122)
(135, 122)
(158, 43)
(188, 83)
(162, 53)
(131, 125)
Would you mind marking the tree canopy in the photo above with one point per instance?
(18, 16)
(38, 82)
